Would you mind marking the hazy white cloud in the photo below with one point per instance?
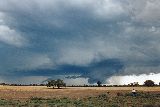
(1, 18)
(77, 81)
(103, 9)
(11, 37)
(121, 80)
(108, 9)
(143, 11)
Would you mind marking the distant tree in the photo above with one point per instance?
(2, 83)
(131, 84)
(51, 83)
(60, 83)
(56, 83)
(99, 83)
(149, 83)
(136, 84)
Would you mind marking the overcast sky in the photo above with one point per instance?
(82, 40)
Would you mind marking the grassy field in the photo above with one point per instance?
(41, 96)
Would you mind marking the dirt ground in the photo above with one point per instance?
(26, 92)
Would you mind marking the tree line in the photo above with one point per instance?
(60, 83)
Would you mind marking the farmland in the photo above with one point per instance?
(78, 96)
(26, 92)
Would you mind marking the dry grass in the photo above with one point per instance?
(26, 92)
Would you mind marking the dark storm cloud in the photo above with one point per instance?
(94, 39)
(94, 71)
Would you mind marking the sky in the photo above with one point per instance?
(80, 41)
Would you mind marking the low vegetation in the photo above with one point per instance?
(103, 100)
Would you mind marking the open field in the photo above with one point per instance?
(26, 92)
(42, 96)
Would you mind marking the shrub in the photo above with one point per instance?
(149, 83)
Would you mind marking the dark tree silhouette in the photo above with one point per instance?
(56, 83)
(149, 83)
(51, 83)
(60, 83)
(99, 83)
